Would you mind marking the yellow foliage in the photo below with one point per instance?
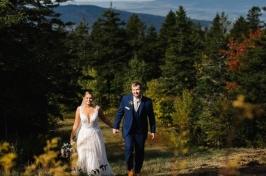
(74, 157)
(153, 91)
(247, 108)
(181, 116)
(182, 164)
(47, 163)
(7, 158)
(231, 168)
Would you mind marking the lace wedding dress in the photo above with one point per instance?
(92, 158)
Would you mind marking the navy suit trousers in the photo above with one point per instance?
(134, 142)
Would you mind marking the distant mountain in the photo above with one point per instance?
(90, 13)
(196, 9)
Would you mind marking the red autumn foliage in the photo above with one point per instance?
(231, 85)
(236, 50)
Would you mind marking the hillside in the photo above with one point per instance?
(90, 13)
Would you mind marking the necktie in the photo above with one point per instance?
(136, 104)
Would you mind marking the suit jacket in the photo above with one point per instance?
(126, 110)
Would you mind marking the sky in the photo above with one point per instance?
(196, 9)
(88, 1)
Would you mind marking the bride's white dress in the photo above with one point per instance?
(92, 158)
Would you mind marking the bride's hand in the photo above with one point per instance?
(72, 141)
(115, 131)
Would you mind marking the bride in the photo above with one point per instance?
(92, 158)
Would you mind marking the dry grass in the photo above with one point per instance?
(160, 159)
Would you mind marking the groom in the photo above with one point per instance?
(137, 110)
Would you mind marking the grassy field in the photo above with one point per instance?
(161, 160)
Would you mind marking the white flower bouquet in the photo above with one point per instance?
(66, 150)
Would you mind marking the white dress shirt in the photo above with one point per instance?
(136, 102)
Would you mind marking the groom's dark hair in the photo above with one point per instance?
(136, 83)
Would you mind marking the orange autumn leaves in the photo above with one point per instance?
(235, 51)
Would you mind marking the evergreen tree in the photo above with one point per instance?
(80, 48)
(9, 15)
(210, 89)
(137, 70)
(211, 69)
(151, 54)
(110, 55)
(34, 64)
(167, 30)
(253, 18)
(251, 78)
(135, 30)
(240, 29)
(178, 70)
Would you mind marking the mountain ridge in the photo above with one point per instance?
(90, 13)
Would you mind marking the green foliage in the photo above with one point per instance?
(143, 44)
(178, 70)
(211, 67)
(218, 113)
(240, 29)
(9, 15)
(151, 53)
(34, 65)
(253, 18)
(252, 84)
(135, 30)
(44, 68)
(183, 107)
(163, 106)
(109, 55)
(167, 31)
(137, 70)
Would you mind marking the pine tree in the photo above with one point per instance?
(151, 53)
(9, 15)
(110, 55)
(135, 30)
(137, 70)
(34, 64)
(252, 84)
(253, 18)
(211, 69)
(210, 89)
(178, 70)
(240, 29)
(167, 30)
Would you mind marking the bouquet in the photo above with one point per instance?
(66, 150)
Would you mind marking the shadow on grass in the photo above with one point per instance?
(116, 151)
(249, 170)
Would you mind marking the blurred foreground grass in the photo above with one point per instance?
(160, 158)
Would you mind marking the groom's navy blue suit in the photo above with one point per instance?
(135, 128)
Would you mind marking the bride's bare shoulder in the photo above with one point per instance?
(78, 108)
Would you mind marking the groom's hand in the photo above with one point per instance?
(115, 131)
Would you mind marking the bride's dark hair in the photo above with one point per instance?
(89, 91)
(86, 91)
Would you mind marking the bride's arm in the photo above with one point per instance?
(75, 125)
(104, 119)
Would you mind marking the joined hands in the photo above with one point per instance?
(115, 131)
